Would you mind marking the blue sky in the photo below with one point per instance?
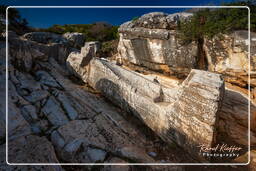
(45, 17)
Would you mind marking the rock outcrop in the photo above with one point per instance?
(76, 39)
(51, 113)
(45, 37)
(186, 115)
(149, 41)
(229, 56)
(38, 46)
(153, 41)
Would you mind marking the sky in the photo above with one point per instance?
(46, 17)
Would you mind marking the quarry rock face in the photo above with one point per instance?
(228, 54)
(155, 47)
(152, 41)
(160, 20)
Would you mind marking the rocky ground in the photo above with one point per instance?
(54, 117)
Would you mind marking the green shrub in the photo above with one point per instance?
(93, 32)
(210, 22)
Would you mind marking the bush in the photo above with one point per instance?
(210, 22)
(93, 32)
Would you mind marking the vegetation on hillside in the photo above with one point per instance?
(99, 31)
(210, 22)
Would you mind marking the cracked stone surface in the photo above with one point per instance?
(51, 112)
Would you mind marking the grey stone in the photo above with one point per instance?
(173, 19)
(54, 113)
(46, 79)
(24, 55)
(116, 167)
(28, 158)
(96, 155)
(29, 113)
(153, 154)
(67, 106)
(17, 125)
(35, 96)
(135, 154)
(57, 140)
(45, 37)
(76, 39)
(26, 149)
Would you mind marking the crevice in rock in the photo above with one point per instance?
(201, 56)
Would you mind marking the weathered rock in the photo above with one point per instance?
(43, 101)
(76, 39)
(26, 150)
(68, 105)
(17, 125)
(244, 159)
(174, 19)
(45, 37)
(165, 110)
(23, 54)
(29, 113)
(53, 111)
(160, 20)
(39, 156)
(153, 41)
(96, 155)
(228, 54)
(134, 154)
(36, 96)
(87, 141)
(157, 49)
(116, 167)
(94, 45)
(234, 116)
(46, 79)
(77, 60)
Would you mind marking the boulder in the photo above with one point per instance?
(76, 39)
